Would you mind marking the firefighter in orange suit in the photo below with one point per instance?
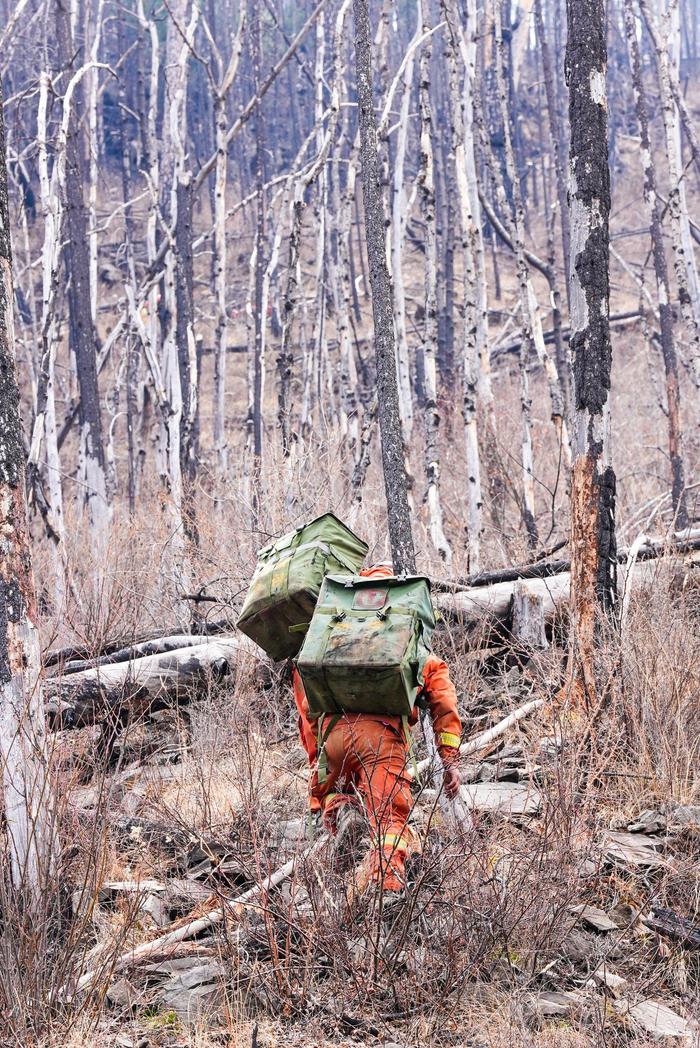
(367, 758)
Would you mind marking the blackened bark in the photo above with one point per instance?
(593, 572)
(589, 202)
(395, 477)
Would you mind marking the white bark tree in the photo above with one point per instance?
(28, 811)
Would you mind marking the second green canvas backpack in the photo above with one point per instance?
(367, 644)
(285, 587)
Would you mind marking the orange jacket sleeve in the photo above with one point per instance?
(441, 696)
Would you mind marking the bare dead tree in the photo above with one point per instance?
(594, 561)
(224, 81)
(475, 352)
(256, 365)
(27, 817)
(395, 478)
(555, 129)
(668, 343)
(666, 42)
(426, 187)
(77, 263)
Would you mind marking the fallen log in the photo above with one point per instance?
(128, 689)
(157, 646)
(649, 549)
(59, 656)
(493, 604)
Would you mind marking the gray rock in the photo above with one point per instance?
(595, 918)
(197, 992)
(632, 849)
(684, 815)
(656, 1018)
(506, 798)
(122, 994)
(649, 821)
(557, 1004)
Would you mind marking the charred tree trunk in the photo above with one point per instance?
(27, 805)
(594, 564)
(395, 477)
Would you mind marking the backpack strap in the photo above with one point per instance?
(411, 748)
(322, 761)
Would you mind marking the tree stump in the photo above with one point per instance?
(528, 618)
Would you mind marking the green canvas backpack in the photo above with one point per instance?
(287, 580)
(367, 644)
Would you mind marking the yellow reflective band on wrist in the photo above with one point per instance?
(448, 738)
(394, 840)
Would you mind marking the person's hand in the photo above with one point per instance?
(452, 781)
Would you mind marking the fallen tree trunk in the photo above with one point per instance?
(127, 689)
(157, 646)
(492, 605)
(60, 656)
(644, 549)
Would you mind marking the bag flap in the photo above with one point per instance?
(360, 581)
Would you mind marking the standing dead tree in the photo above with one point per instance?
(426, 188)
(77, 262)
(395, 478)
(476, 378)
(668, 342)
(28, 823)
(593, 559)
(666, 41)
(222, 86)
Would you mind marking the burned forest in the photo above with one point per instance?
(349, 523)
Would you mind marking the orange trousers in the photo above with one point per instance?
(367, 759)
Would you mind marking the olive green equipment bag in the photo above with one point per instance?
(366, 646)
(287, 580)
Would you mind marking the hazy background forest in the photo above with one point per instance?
(194, 337)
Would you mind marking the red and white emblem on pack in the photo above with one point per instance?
(370, 599)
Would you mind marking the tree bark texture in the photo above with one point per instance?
(28, 819)
(593, 575)
(124, 690)
(426, 188)
(668, 342)
(77, 262)
(395, 478)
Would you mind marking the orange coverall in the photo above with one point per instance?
(367, 757)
